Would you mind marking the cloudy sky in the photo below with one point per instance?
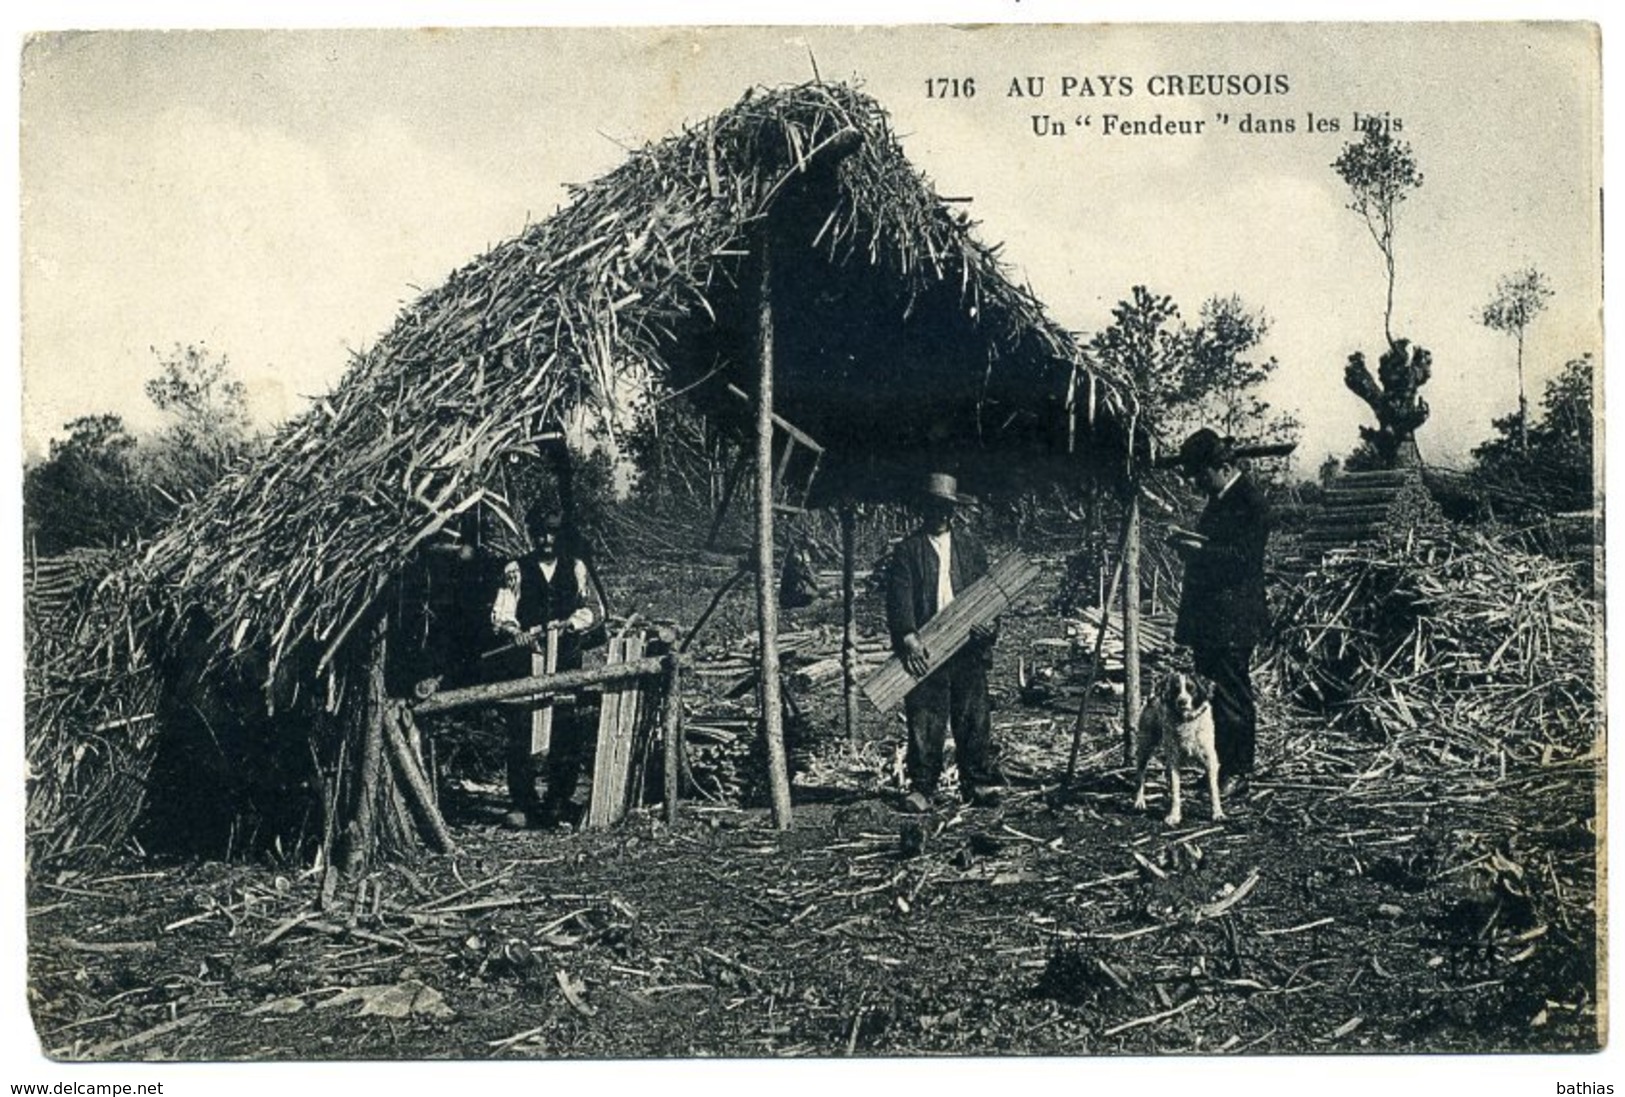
(277, 196)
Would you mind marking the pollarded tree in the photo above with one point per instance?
(1380, 172)
(1519, 298)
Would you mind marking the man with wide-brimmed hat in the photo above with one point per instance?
(544, 591)
(1222, 609)
(928, 568)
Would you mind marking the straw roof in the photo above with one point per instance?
(643, 280)
(900, 340)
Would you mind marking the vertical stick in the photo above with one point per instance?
(419, 796)
(359, 847)
(767, 609)
(672, 731)
(541, 717)
(1131, 627)
(1094, 664)
(849, 628)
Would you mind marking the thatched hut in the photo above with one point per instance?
(788, 230)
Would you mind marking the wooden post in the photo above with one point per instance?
(849, 627)
(1131, 624)
(672, 731)
(541, 717)
(419, 796)
(767, 608)
(363, 827)
(527, 689)
(729, 486)
(1094, 664)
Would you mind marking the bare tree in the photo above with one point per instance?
(1519, 298)
(1379, 171)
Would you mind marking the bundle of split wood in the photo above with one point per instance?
(1451, 642)
(1156, 632)
(810, 659)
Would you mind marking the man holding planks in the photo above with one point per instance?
(544, 609)
(927, 568)
(1222, 609)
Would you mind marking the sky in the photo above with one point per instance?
(278, 196)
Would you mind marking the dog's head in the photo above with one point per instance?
(1183, 694)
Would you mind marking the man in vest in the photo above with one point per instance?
(928, 568)
(545, 591)
(1222, 608)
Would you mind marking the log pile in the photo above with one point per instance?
(1362, 506)
(1460, 647)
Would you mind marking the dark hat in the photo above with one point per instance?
(940, 487)
(543, 517)
(1205, 448)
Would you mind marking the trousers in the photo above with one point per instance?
(955, 695)
(572, 740)
(1235, 711)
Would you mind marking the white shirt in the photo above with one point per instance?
(505, 609)
(943, 544)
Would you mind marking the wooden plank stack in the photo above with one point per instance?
(619, 718)
(948, 631)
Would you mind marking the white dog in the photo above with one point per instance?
(1179, 718)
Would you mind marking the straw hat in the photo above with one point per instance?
(940, 487)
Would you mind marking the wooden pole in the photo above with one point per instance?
(524, 689)
(541, 717)
(363, 826)
(1100, 643)
(729, 486)
(849, 626)
(767, 608)
(419, 796)
(672, 732)
(1131, 626)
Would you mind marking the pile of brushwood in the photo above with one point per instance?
(1457, 647)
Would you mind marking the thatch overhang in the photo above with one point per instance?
(901, 342)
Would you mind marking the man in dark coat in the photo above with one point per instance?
(546, 590)
(928, 568)
(1222, 609)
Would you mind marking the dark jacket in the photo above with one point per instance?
(911, 582)
(1222, 601)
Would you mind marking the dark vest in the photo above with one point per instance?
(541, 601)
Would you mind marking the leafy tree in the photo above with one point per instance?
(1188, 377)
(1222, 378)
(1546, 465)
(1519, 298)
(1379, 171)
(208, 425)
(90, 492)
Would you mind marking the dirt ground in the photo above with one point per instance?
(1357, 901)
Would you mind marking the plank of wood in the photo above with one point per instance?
(541, 717)
(617, 728)
(949, 630)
